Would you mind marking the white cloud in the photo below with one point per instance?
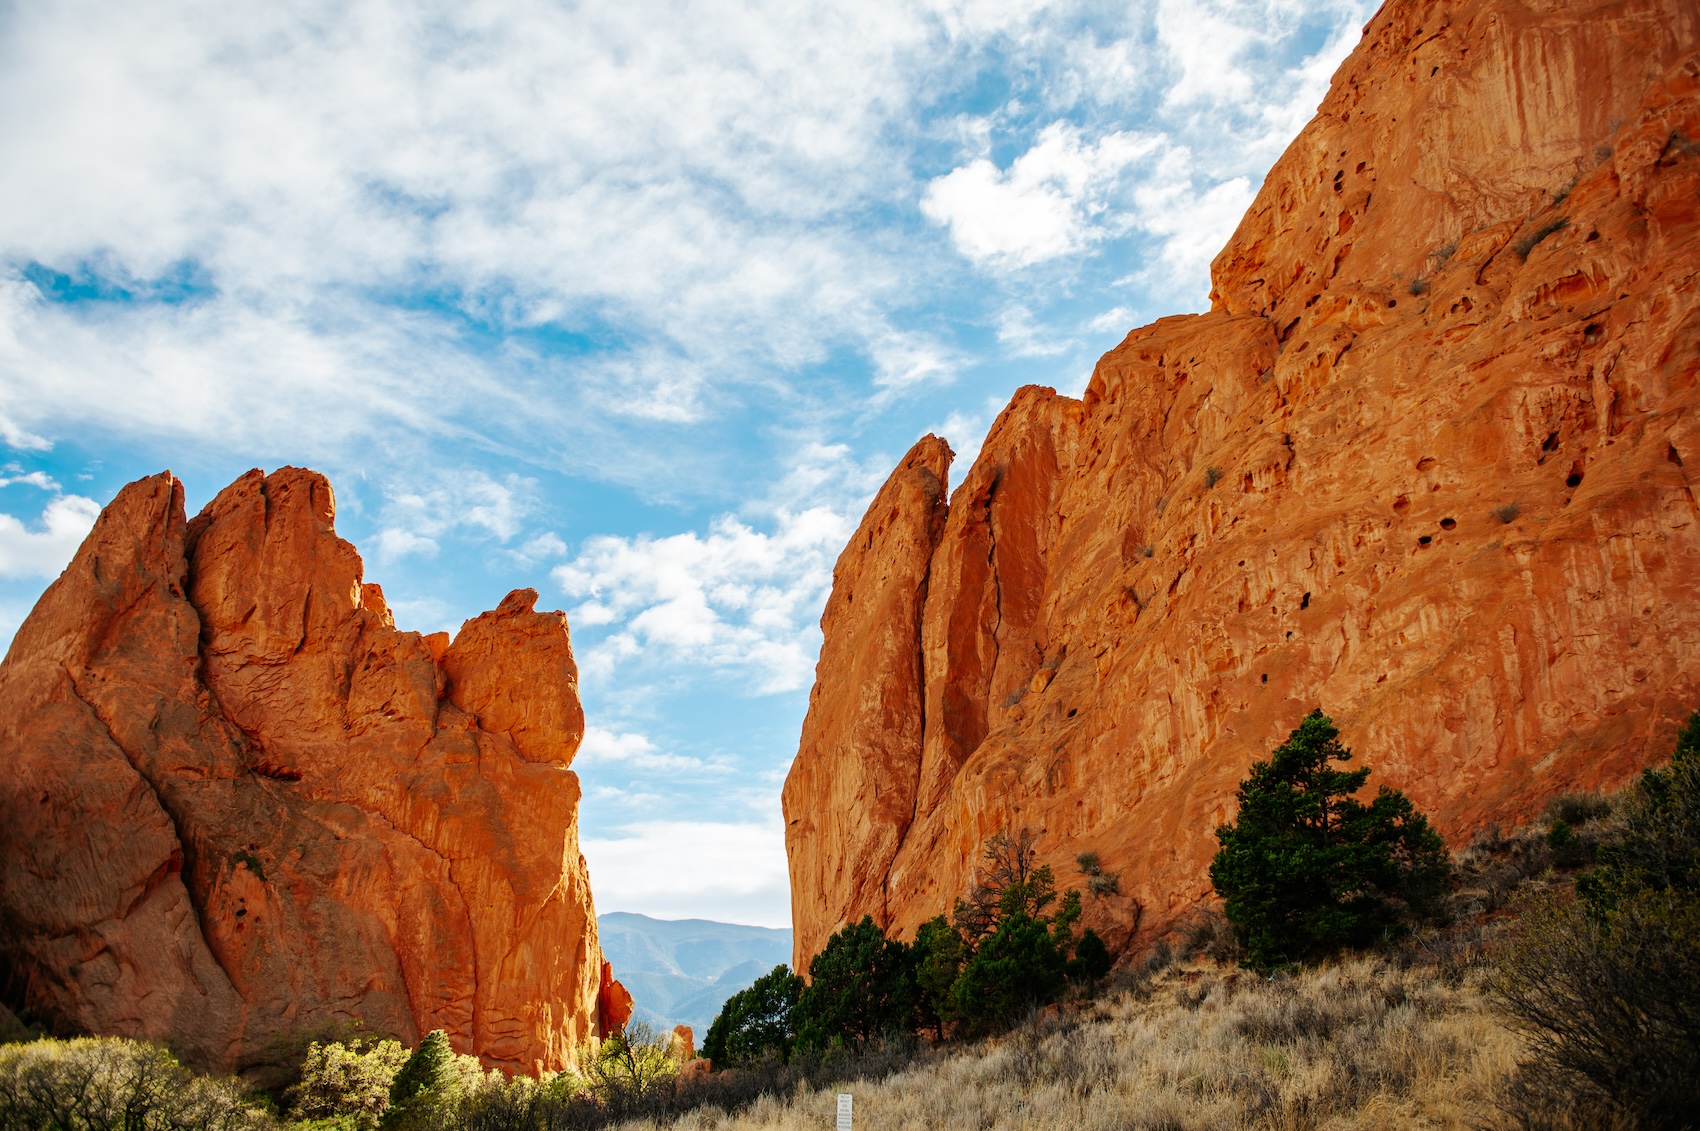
(395, 543)
(902, 360)
(423, 614)
(1021, 336)
(1116, 320)
(693, 869)
(735, 598)
(545, 545)
(47, 549)
(1054, 200)
(739, 598)
(468, 500)
(33, 478)
(603, 747)
(1192, 224)
(678, 178)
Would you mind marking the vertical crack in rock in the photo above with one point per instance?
(185, 844)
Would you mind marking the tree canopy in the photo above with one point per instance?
(1306, 868)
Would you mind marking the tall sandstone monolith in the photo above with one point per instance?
(238, 805)
(1426, 463)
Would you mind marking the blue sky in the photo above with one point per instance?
(635, 303)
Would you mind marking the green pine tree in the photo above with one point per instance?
(1306, 868)
(1091, 959)
(861, 987)
(938, 955)
(1016, 968)
(424, 1082)
(756, 1022)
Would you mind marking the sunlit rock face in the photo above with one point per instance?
(236, 803)
(1427, 463)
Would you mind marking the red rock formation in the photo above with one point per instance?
(683, 1044)
(851, 793)
(613, 1003)
(237, 803)
(1427, 462)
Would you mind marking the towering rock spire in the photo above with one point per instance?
(237, 803)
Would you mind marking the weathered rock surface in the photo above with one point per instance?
(1428, 462)
(236, 803)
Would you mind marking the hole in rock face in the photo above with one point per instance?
(1361, 165)
(1392, 302)
(1574, 479)
(1305, 604)
(1073, 711)
(1434, 72)
(1448, 523)
(1425, 463)
(1674, 456)
(1550, 444)
(1401, 504)
(1592, 236)
(1593, 333)
(1265, 677)
(1425, 539)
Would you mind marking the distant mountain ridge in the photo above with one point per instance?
(681, 971)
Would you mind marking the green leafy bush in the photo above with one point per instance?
(347, 1082)
(1018, 953)
(113, 1084)
(1306, 869)
(630, 1066)
(1009, 946)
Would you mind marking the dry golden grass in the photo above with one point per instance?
(1361, 1044)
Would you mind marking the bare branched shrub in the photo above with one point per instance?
(1576, 809)
(1608, 1008)
(1507, 513)
(1208, 934)
(1105, 883)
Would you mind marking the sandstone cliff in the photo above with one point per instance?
(236, 803)
(1426, 463)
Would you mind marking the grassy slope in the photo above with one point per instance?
(1360, 1044)
(1404, 1039)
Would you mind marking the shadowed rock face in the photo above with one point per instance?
(236, 803)
(1427, 463)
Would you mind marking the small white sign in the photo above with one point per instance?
(844, 1116)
